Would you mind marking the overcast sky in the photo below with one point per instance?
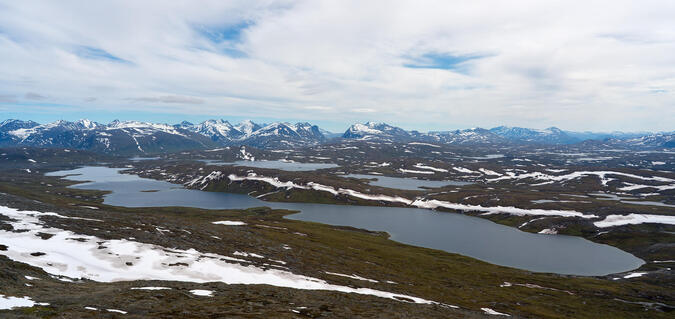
(425, 65)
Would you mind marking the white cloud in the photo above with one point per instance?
(579, 65)
(170, 99)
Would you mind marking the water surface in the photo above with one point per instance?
(407, 183)
(455, 233)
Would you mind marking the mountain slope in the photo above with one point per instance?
(551, 135)
(373, 130)
(116, 137)
(134, 137)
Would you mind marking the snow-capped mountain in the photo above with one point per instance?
(116, 137)
(284, 135)
(554, 135)
(664, 139)
(248, 127)
(505, 135)
(468, 136)
(373, 130)
(134, 137)
(126, 137)
(10, 125)
(551, 135)
(217, 130)
(382, 131)
(259, 135)
(184, 125)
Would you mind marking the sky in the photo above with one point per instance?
(424, 65)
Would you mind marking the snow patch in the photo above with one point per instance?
(548, 231)
(634, 275)
(117, 311)
(414, 171)
(351, 276)
(103, 260)
(634, 219)
(465, 170)
(229, 223)
(202, 292)
(10, 302)
(494, 313)
(421, 203)
(435, 169)
(149, 288)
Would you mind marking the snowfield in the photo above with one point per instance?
(602, 175)
(494, 313)
(103, 260)
(420, 203)
(357, 277)
(633, 219)
(229, 223)
(435, 169)
(15, 302)
(412, 171)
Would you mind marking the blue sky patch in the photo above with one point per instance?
(226, 37)
(443, 61)
(88, 52)
(229, 33)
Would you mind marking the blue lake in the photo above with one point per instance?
(456, 233)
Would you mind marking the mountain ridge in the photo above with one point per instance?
(146, 137)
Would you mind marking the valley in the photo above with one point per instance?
(511, 205)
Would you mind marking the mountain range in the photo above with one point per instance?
(133, 137)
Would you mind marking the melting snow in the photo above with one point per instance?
(602, 175)
(634, 275)
(352, 276)
(465, 170)
(117, 311)
(201, 292)
(15, 302)
(239, 253)
(421, 203)
(422, 166)
(414, 171)
(548, 231)
(489, 172)
(634, 219)
(124, 260)
(494, 313)
(229, 223)
(149, 288)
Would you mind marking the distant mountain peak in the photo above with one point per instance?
(247, 127)
(370, 130)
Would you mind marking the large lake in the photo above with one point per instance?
(451, 232)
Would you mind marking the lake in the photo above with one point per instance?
(455, 233)
(403, 182)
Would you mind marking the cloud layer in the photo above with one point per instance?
(592, 65)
